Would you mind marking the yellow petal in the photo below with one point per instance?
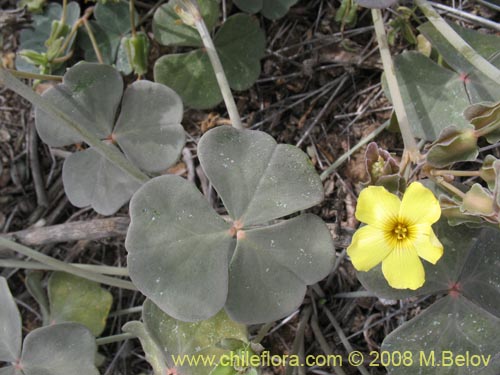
(419, 205)
(368, 248)
(403, 269)
(377, 207)
(426, 243)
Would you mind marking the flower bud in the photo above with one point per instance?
(487, 171)
(478, 201)
(453, 145)
(486, 120)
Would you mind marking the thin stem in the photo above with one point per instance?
(113, 339)
(65, 267)
(28, 75)
(478, 61)
(216, 65)
(444, 172)
(28, 265)
(411, 148)
(64, 11)
(130, 310)
(449, 187)
(132, 17)
(93, 41)
(332, 168)
(110, 153)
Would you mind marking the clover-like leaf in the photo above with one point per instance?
(92, 180)
(451, 327)
(60, 349)
(34, 37)
(10, 325)
(479, 87)
(169, 31)
(271, 9)
(89, 94)
(190, 339)
(73, 299)
(112, 23)
(36, 290)
(240, 43)
(147, 130)
(250, 171)
(434, 97)
(178, 249)
(174, 229)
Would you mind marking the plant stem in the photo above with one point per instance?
(65, 267)
(132, 17)
(449, 187)
(110, 153)
(478, 61)
(28, 265)
(216, 65)
(113, 339)
(263, 331)
(443, 172)
(411, 148)
(351, 151)
(130, 310)
(64, 11)
(93, 41)
(28, 75)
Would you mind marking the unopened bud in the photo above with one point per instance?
(478, 201)
(187, 11)
(453, 145)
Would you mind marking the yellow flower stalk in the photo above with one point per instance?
(398, 233)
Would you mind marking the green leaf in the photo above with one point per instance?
(34, 37)
(281, 260)
(111, 25)
(191, 339)
(192, 76)
(241, 61)
(170, 31)
(479, 87)
(92, 180)
(178, 249)
(251, 173)
(60, 349)
(174, 228)
(89, 94)
(271, 9)
(73, 299)
(9, 370)
(10, 325)
(149, 129)
(240, 43)
(434, 97)
(450, 327)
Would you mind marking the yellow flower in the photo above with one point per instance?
(397, 234)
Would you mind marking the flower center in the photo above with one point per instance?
(400, 231)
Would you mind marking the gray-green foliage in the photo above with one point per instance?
(271, 9)
(239, 42)
(59, 349)
(36, 37)
(435, 96)
(147, 130)
(77, 300)
(468, 318)
(191, 263)
(163, 337)
(110, 27)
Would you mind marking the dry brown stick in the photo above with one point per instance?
(41, 193)
(73, 231)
